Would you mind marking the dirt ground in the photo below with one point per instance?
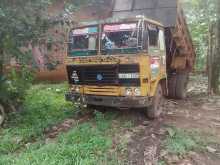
(201, 114)
(198, 112)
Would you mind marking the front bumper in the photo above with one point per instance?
(111, 101)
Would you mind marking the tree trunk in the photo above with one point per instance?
(210, 59)
(216, 64)
(1, 62)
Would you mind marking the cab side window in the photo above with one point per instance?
(153, 33)
(161, 40)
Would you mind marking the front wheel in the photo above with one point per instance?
(154, 111)
(2, 115)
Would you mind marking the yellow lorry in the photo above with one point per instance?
(129, 60)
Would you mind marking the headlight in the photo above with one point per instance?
(128, 91)
(137, 91)
(74, 76)
(77, 90)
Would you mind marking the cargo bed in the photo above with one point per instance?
(180, 50)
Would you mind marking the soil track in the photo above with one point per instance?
(198, 112)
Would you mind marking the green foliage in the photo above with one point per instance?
(19, 81)
(44, 106)
(128, 124)
(100, 118)
(20, 25)
(200, 14)
(13, 87)
(23, 142)
(85, 144)
(180, 142)
(162, 162)
(23, 23)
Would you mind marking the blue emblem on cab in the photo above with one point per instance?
(99, 77)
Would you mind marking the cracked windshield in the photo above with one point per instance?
(119, 38)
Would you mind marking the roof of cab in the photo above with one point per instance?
(164, 11)
(118, 20)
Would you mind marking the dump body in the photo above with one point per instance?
(180, 51)
(164, 11)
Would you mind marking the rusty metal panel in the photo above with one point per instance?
(167, 3)
(123, 5)
(140, 4)
(164, 11)
(153, 4)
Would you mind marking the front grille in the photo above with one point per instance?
(103, 91)
(108, 75)
(102, 74)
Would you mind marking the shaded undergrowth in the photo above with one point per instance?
(23, 141)
(44, 106)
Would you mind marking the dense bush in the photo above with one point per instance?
(14, 85)
(43, 106)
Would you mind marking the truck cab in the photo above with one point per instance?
(118, 63)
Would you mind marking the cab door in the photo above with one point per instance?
(157, 55)
(156, 50)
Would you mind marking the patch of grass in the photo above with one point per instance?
(103, 121)
(86, 144)
(23, 142)
(128, 124)
(180, 141)
(43, 107)
(161, 162)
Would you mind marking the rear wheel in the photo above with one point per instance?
(156, 108)
(172, 86)
(181, 85)
(177, 85)
(2, 115)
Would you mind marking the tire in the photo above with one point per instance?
(96, 108)
(2, 115)
(172, 86)
(164, 85)
(154, 111)
(181, 85)
(91, 107)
